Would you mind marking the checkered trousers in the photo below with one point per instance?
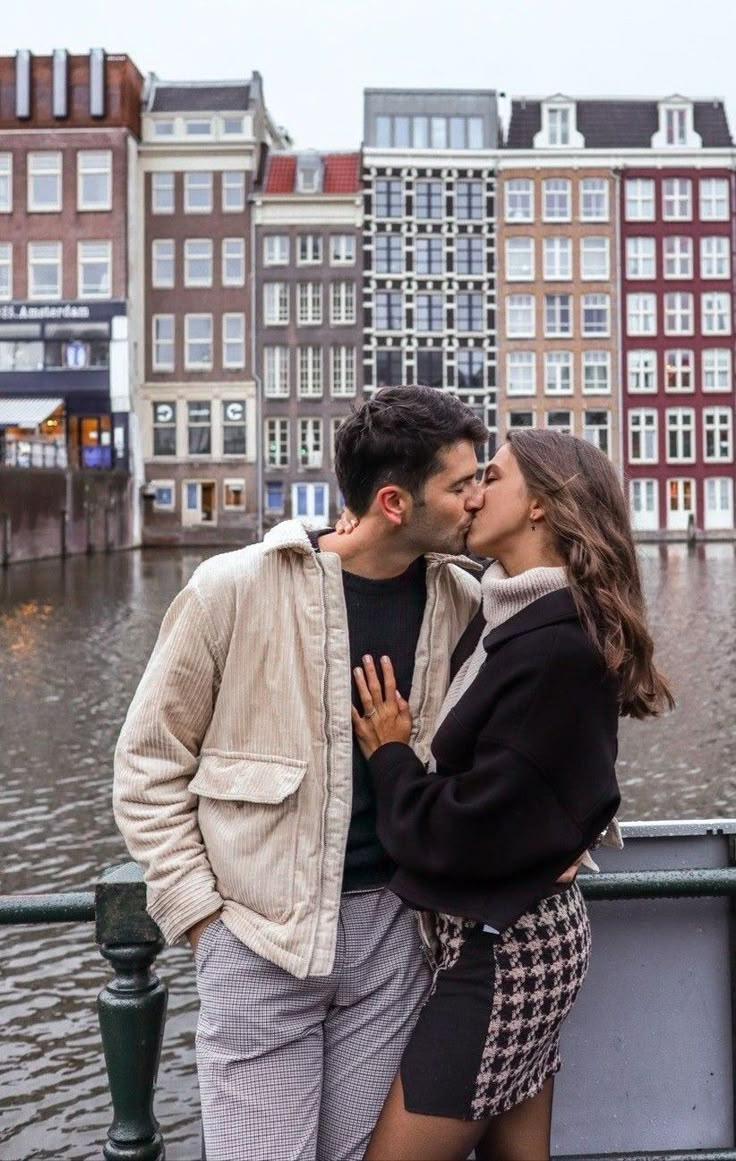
(298, 1070)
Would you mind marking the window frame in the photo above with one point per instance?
(58, 174)
(204, 365)
(94, 207)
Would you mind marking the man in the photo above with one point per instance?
(241, 792)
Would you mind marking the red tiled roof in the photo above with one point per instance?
(341, 176)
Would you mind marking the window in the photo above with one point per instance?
(557, 258)
(198, 262)
(556, 199)
(233, 340)
(558, 373)
(309, 304)
(520, 316)
(342, 303)
(44, 182)
(558, 314)
(233, 193)
(594, 199)
(430, 312)
(559, 421)
(680, 425)
(639, 205)
(342, 371)
(6, 271)
(275, 250)
(277, 443)
(714, 200)
(719, 502)
(389, 368)
(310, 500)
(641, 314)
(274, 497)
(275, 304)
(519, 200)
(681, 502)
(642, 371)
(44, 270)
(162, 193)
(643, 494)
(715, 258)
(198, 127)
(597, 429)
(199, 428)
(521, 373)
(469, 200)
(389, 200)
(716, 314)
(310, 444)
(429, 256)
(718, 434)
(675, 126)
(438, 132)
(469, 312)
(428, 199)
(521, 419)
(94, 180)
(596, 373)
(197, 193)
(309, 249)
(643, 437)
(164, 495)
(162, 262)
(342, 249)
(677, 199)
(309, 173)
(233, 262)
(197, 341)
(640, 258)
(6, 183)
(389, 254)
(233, 494)
(558, 126)
(389, 311)
(519, 259)
(309, 365)
(717, 369)
(594, 260)
(233, 431)
(471, 367)
(163, 342)
(164, 429)
(678, 257)
(470, 256)
(276, 372)
(232, 126)
(94, 269)
(595, 315)
(678, 314)
(430, 370)
(164, 127)
(679, 371)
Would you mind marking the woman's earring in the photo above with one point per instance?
(534, 527)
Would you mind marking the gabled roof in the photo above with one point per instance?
(341, 173)
(199, 97)
(618, 124)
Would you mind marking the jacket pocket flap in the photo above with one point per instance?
(247, 777)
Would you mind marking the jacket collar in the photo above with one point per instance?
(548, 610)
(291, 535)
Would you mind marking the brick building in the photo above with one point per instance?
(308, 264)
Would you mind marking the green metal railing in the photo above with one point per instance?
(131, 1006)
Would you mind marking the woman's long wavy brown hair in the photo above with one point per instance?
(585, 511)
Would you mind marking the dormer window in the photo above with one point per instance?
(676, 130)
(559, 127)
(558, 122)
(675, 126)
(309, 174)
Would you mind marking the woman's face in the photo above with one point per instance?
(505, 513)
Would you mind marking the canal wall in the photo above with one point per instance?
(48, 512)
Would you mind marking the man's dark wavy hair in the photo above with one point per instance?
(397, 437)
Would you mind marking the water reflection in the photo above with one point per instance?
(74, 638)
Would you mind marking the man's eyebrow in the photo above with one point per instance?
(462, 479)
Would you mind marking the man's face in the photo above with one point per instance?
(440, 519)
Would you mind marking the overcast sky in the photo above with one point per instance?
(316, 56)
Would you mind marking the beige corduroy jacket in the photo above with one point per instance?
(233, 771)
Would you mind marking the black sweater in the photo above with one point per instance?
(525, 776)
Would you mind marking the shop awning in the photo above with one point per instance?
(26, 412)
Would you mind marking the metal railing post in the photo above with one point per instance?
(132, 1011)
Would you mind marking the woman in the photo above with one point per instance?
(522, 782)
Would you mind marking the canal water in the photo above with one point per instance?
(74, 638)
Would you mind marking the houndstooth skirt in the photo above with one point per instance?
(488, 1036)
